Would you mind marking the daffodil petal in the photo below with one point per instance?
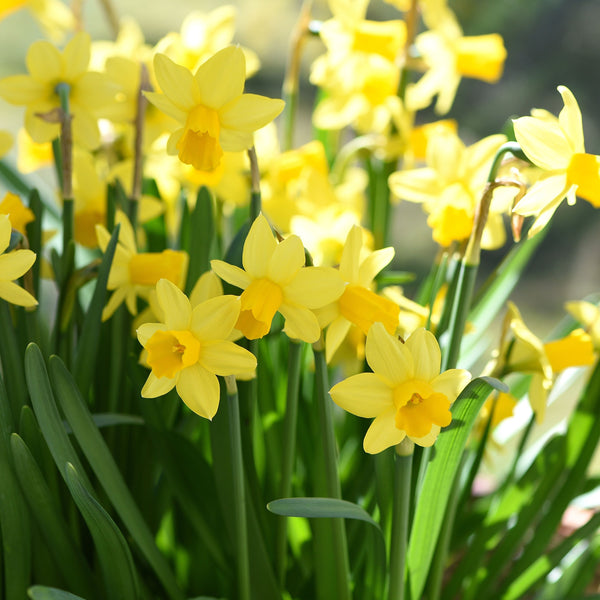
(199, 389)
(250, 112)
(315, 287)
(350, 260)
(147, 330)
(373, 264)
(300, 323)
(363, 395)
(383, 433)
(113, 303)
(287, 259)
(235, 141)
(231, 274)
(165, 105)
(214, 89)
(542, 193)
(14, 264)
(76, 56)
(157, 386)
(21, 89)
(175, 81)
(336, 332)
(569, 119)
(387, 356)
(14, 294)
(417, 185)
(543, 142)
(44, 62)
(429, 439)
(214, 318)
(258, 248)
(426, 354)
(226, 358)
(175, 305)
(451, 383)
(5, 231)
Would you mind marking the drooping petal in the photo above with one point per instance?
(175, 305)
(214, 318)
(314, 287)
(363, 395)
(176, 82)
(542, 193)
(157, 386)
(287, 259)
(44, 62)
(14, 294)
(250, 112)
(231, 274)
(258, 248)
(147, 330)
(114, 302)
(199, 389)
(383, 433)
(569, 119)
(388, 356)
(215, 89)
(300, 323)
(451, 383)
(226, 358)
(543, 142)
(426, 354)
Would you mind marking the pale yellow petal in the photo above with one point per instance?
(543, 142)
(40, 130)
(157, 386)
(363, 395)
(76, 56)
(258, 248)
(147, 330)
(14, 294)
(231, 274)
(426, 354)
(214, 318)
(199, 389)
(287, 259)
(383, 433)
(373, 264)
(175, 81)
(5, 231)
(336, 332)
(94, 92)
(235, 141)
(250, 112)
(85, 129)
(175, 305)
(350, 260)
(22, 89)
(226, 358)
(113, 303)
(44, 62)
(417, 185)
(388, 356)
(544, 192)
(570, 120)
(300, 323)
(451, 383)
(15, 264)
(315, 287)
(216, 90)
(165, 105)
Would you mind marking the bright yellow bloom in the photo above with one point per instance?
(19, 214)
(214, 113)
(575, 349)
(189, 348)
(274, 279)
(557, 147)
(6, 142)
(359, 304)
(90, 93)
(12, 266)
(451, 185)
(405, 394)
(134, 274)
(449, 56)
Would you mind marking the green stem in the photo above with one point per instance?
(239, 493)
(289, 449)
(332, 479)
(400, 527)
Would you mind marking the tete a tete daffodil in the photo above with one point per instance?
(190, 347)
(406, 394)
(214, 113)
(556, 146)
(275, 279)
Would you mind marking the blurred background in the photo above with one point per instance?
(549, 42)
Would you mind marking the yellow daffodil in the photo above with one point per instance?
(588, 315)
(12, 266)
(406, 394)
(32, 156)
(6, 142)
(557, 147)
(451, 185)
(89, 92)
(449, 55)
(189, 348)
(274, 279)
(214, 113)
(359, 304)
(18, 213)
(134, 274)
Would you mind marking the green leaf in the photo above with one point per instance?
(323, 508)
(87, 348)
(12, 364)
(439, 480)
(115, 559)
(201, 237)
(103, 464)
(40, 592)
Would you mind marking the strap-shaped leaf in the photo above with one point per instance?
(41, 592)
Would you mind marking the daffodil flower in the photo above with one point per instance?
(588, 314)
(557, 147)
(134, 274)
(214, 113)
(189, 348)
(20, 215)
(406, 394)
(12, 266)
(274, 279)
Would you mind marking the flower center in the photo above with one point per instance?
(199, 145)
(147, 268)
(363, 307)
(171, 351)
(450, 223)
(481, 57)
(260, 301)
(584, 172)
(419, 407)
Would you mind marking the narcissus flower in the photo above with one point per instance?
(274, 279)
(557, 147)
(189, 348)
(406, 394)
(215, 114)
(359, 305)
(12, 266)
(20, 215)
(89, 92)
(134, 274)
(588, 315)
